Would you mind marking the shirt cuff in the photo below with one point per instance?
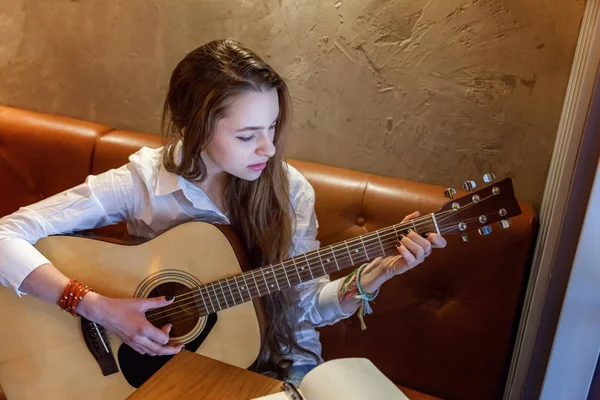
(18, 258)
(329, 304)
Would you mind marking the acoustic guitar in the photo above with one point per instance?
(47, 354)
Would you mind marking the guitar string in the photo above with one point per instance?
(260, 287)
(375, 249)
(277, 271)
(310, 257)
(180, 318)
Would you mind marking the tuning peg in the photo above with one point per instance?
(485, 230)
(504, 223)
(469, 185)
(449, 193)
(464, 237)
(489, 177)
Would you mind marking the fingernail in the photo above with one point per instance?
(425, 235)
(169, 297)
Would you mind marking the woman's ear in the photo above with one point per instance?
(182, 132)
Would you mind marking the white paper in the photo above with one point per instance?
(274, 396)
(348, 379)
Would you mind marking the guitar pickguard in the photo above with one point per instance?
(138, 368)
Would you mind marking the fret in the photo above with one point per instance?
(398, 238)
(286, 275)
(255, 283)
(328, 259)
(396, 232)
(275, 277)
(238, 288)
(210, 299)
(349, 253)
(321, 260)
(202, 297)
(232, 296)
(365, 249)
(247, 287)
(358, 249)
(224, 295)
(298, 272)
(310, 267)
(265, 278)
(303, 268)
(379, 238)
(216, 296)
(413, 225)
(335, 258)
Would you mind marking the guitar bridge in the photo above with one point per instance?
(97, 342)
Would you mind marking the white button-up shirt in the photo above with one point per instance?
(152, 200)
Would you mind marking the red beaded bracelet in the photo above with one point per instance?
(72, 295)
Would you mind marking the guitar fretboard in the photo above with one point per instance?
(231, 291)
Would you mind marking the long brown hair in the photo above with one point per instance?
(200, 90)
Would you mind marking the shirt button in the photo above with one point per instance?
(360, 221)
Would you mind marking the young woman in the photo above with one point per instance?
(225, 116)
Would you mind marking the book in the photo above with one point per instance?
(345, 378)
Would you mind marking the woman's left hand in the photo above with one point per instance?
(412, 251)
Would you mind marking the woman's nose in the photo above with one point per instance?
(266, 146)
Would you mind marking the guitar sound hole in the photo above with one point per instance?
(182, 313)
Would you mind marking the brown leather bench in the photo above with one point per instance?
(446, 328)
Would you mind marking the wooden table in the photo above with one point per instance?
(189, 375)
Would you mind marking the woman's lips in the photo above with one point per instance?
(257, 167)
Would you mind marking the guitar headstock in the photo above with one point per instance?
(477, 210)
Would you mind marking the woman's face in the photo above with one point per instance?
(243, 141)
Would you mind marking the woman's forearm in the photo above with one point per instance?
(46, 283)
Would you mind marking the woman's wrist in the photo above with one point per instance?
(90, 307)
(359, 288)
(372, 277)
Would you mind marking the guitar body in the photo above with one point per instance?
(42, 351)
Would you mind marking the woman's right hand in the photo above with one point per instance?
(126, 318)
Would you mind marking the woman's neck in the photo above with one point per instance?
(214, 187)
(215, 183)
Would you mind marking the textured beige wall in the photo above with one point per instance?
(428, 90)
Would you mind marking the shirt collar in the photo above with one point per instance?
(168, 183)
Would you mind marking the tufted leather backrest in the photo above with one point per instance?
(446, 328)
(114, 148)
(42, 155)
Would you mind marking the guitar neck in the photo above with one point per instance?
(228, 292)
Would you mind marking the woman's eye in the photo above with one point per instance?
(245, 139)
